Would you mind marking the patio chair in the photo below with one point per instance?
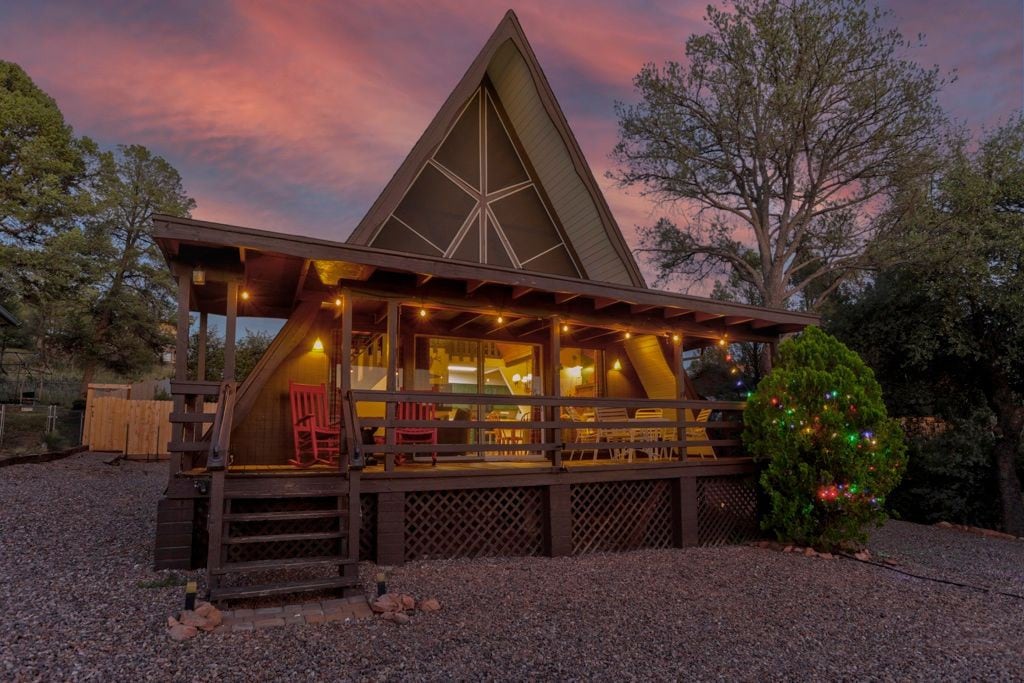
(582, 435)
(653, 433)
(317, 440)
(699, 434)
(416, 435)
(614, 435)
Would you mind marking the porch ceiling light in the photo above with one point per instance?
(629, 335)
(501, 319)
(565, 327)
(318, 345)
(245, 295)
(617, 365)
(337, 301)
(675, 337)
(198, 276)
(423, 313)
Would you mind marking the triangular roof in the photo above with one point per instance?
(499, 178)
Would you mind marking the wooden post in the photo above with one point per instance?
(558, 520)
(392, 380)
(181, 359)
(201, 351)
(390, 528)
(689, 534)
(679, 371)
(230, 325)
(355, 522)
(554, 387)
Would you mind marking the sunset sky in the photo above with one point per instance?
(291, 116)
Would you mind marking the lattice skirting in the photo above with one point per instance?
(474, 523)
(621, 515)
(726, 510)
(368, 527)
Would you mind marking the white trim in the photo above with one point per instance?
(504, 240)
(453, 177)
(460, 236)
(417, 233)
(508, 135)
(433, 156)
(508, 191)
(548, 250)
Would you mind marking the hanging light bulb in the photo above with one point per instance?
(245, 295)
(722, 342)
(565, 327)
(675, 337)
(423, 313)
(501, 319)
(337, 301)
(629, 335)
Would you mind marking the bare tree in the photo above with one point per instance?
(796, 133)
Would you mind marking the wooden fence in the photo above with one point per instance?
(135, 428)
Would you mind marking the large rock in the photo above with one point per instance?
(429, 605)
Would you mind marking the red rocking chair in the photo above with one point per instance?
(416, 435)
(317, 441)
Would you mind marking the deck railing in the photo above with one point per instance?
(544, 425)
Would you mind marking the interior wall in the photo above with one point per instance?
(265, 436)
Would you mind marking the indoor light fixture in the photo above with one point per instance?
(198, 276)
(318, 345)
(617, 365)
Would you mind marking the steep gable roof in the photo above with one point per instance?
(498, 178)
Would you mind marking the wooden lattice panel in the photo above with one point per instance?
(621, 515)
(368, 527)
(726, 510)
(474, 523)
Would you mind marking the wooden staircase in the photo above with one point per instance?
(276, 535)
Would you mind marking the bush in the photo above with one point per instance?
(949, 475)
(833, 455)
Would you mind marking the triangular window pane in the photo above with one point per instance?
(503, 165)
(435, 207)
(460, 152)
(496, 254)
(526, 223)
(469, 248)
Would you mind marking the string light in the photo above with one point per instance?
(565, 327)
(629, 335)
(501, 319)
(675, 337)
(337, 302)
(423, 313)
(245, 295)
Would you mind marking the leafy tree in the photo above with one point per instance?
(248, 351)
(100, 291)
(946, 333)
(42, 165)
(833, 455)
(801, 136)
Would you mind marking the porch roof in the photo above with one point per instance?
(288, 268)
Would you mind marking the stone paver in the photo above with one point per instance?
(336, 609)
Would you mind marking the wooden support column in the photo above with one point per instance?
(390, 528)
(558, 520)
(680, 373)
(201, 350)
(355, 522)
(553, 385)
(181, 361)
(685, 505)
(230, 327)
(392, 379)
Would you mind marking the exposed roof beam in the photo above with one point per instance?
(702, 317)
(302, 277)
(519, 292)
(602, 333)
(737, 319)
(472, 318)
(676, 313)
(641, 308)
(563, 297)
(761, 324)
(603, 302)
(473, 285)
(423, 278)
(382, 314)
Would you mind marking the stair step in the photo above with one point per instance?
(269, 538)
(237, 592)
(302, 493)
(285, 515)
(289, 563)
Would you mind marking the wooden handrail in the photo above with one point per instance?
(383, 396)
(220, 434)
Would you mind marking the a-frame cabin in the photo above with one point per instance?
(497, 379)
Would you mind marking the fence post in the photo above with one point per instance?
(3, 417)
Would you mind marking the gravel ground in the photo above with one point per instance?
(76, 541)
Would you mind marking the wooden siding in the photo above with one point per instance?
(548, 153)
(264, 436)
